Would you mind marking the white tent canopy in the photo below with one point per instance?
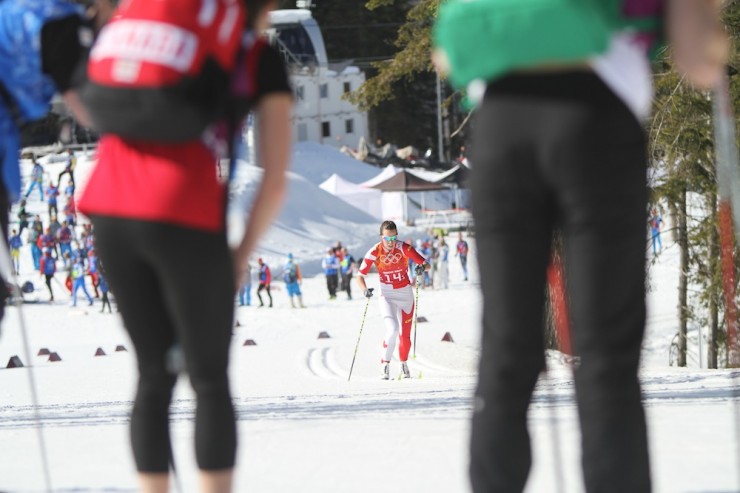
(366, 199)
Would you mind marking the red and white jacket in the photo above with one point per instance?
(392, 266)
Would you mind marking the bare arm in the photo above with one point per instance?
(698, 40)
(274, 150)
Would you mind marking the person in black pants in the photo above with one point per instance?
(568, 154)
(265, 279)
(561, 149)
(148, 229)
(162, 305)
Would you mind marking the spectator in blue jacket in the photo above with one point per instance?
(330, 264)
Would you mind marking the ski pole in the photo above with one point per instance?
(416, 311)
(357, 346)
(6, 270)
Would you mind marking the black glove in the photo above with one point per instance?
(419, 269)
(369, 292)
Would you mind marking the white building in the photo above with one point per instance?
(320, 114)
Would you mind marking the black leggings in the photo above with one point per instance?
(166, 299)
(265, 287)
(49, 277)
(560, 151)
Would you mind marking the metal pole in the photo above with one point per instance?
(440, 144)
(6, 268)
(357, 346)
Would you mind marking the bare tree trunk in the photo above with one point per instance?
(683, 281)
(713, 263)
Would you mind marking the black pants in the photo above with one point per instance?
(562, 151)
(331, 284)
(347, 284)
(106, 301)
(49, 277)
(166, 299)
(69, 172)
(265, 287)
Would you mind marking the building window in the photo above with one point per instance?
(325, 129)
(299, 93)
(349, 126)
(302, 132)
(347, 87)
(324, 91)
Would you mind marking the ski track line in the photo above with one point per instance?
(448, 403)
(331, 363)
(321, 365)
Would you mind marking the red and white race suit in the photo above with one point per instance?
(396, 295)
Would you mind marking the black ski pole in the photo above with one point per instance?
(416, 311)
(357, 346)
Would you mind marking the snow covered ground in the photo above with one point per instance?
(302, 426)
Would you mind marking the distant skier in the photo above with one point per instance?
(34, 233)
(390, 257)
(347, 268)
(92, 270)
(462, 252)
(69, 167)
(265, 279)
(656, 224)
(52, 193)
(64, 238)
(103, 285)
(15, 244)
(443, 265)
(78, 281)
(245, 291)
(293, 279)
(37, 180)
(48, 241)
(23, 216)
(70, 210)
(47, 269)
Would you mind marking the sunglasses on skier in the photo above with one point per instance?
(390, 238)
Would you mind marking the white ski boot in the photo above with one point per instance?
(405, 370)
(386, 372)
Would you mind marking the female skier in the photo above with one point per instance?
(390, 257)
